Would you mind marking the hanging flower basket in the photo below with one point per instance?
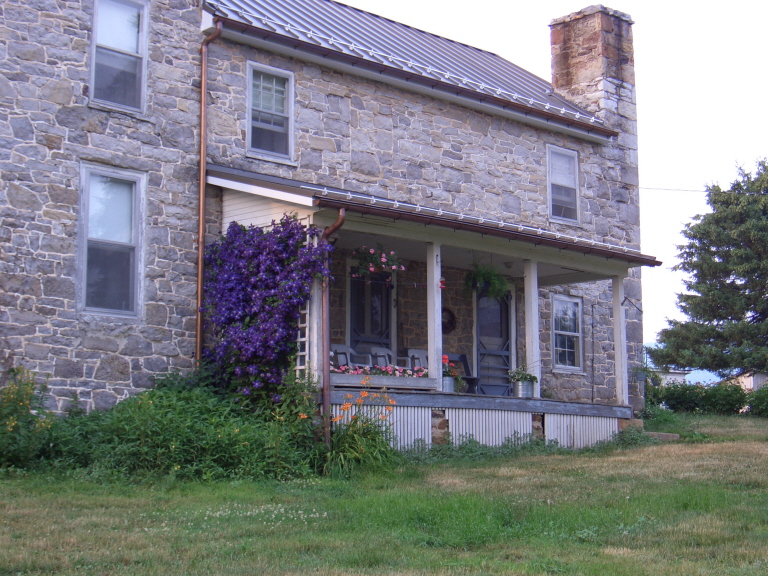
(375, 260)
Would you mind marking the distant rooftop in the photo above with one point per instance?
(361, 38)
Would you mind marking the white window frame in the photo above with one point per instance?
(289, 158)
(143, 6)
(140, 182)
(575, 155)
(579, 335)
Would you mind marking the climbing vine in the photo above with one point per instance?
(257, 281)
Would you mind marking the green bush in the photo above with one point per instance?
(723, 398)
(683, 397)
(758, 402)
(191, 433)
(23, 420)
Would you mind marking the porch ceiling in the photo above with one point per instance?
(463, 258)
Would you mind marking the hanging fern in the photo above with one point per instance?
(487, 281)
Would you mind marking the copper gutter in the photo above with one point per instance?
(325, 328)
(201, 191)
(507, 232)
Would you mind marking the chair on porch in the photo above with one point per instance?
(342, 355)
(419, 358)
(389, 358)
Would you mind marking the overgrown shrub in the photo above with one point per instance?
(758, 402)
(723, 398)
(683, 397)
(191, 433)
(23, 421)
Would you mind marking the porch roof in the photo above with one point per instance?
(330, 197)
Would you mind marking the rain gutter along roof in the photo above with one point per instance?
(329, 197)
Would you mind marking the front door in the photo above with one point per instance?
(493, 345)
(370, 311)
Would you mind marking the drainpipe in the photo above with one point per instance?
(201, 191)
(326, 332)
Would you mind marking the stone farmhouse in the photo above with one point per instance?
(114, 176)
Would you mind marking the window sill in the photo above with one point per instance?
(110, 316)
(569, 372)
(106, 107)
(270, 158)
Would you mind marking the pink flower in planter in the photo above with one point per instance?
(372, 251)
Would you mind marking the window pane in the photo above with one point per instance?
(118, 25)
(564, 202)
(566, 316)
(269, 133)
(567, 350)
(110, 277)
(562, 169)
(110, 209)
(269, 92)
(117, 78)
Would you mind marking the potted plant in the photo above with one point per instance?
(451, 378)
(523, 382)
(487, 281)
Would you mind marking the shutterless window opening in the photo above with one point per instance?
(270, 112)
(119, 53)
(110, 282)
(567, 332)
(564, 184)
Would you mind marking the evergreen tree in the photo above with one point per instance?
(726, 302)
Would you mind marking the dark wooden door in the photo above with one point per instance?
(371, 311)
(493, 345)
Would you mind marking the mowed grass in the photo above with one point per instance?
(684, 508)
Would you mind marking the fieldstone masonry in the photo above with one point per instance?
(48, 129)
(351, 133)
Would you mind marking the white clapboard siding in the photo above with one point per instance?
(259, 211)
(489, 427)
(409, 423)
(571, 431)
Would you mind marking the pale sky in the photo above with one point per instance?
(701, 94)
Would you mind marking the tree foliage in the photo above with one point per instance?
(726, 259)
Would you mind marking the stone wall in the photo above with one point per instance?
(365, 136)
(352, 133)
(47, 130)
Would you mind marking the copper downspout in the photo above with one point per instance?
(325, 328)
(201, 192)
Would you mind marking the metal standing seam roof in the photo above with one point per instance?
(359, 36)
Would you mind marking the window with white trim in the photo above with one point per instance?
(563, 179)
(111, 207)
(119, 53)
(566, 332)
(270, 111)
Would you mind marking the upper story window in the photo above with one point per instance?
(119, 53)
(111, 201)
(563, 179)
(567, 332)
(270, 112)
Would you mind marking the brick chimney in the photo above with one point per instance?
(593, 63)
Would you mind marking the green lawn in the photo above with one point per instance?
(684, 508)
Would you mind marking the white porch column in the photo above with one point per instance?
(532, 347)
(434, 314)
(620, 342)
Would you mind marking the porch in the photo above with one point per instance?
(564, 314)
